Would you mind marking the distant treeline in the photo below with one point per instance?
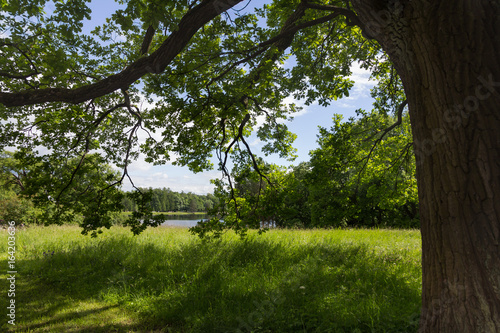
(166, 200)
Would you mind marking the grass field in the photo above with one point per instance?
(166, 280)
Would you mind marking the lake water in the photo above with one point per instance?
(186, 220)
(190, 220)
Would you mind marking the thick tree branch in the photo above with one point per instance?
(154, 63)
(148, 38)
(19, 77)
(348, 13)
(285, 37)
(171, 47)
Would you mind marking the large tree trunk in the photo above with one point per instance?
(446, 53)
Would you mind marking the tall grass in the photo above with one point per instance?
(166, 280)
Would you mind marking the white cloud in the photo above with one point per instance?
(176, 178)
(255, 142)
(362, 85)
(140, 165)
(260, 120)
(160, 175)
(346, 105)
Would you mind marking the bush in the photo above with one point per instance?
(15, 208)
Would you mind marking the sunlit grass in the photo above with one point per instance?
(166, 280)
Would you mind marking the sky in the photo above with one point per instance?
(305, 126)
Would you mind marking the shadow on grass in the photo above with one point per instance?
(257, 285)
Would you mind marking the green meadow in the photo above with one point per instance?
(166, 280)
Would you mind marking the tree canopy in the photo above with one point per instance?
(207, 77)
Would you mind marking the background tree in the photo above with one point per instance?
(76, 93)
(296, 200)
(360, 178)
(91, 196)
(12, 206)
(166, 200)
(280, 199)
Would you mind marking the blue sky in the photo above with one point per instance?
(305, 125)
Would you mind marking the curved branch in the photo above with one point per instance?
(154, 63)
(393, 126)
(347, 12)
(170, 48)
(148, 38)
(18, 76)
(387, 130)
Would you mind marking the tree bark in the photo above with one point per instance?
(446, 53)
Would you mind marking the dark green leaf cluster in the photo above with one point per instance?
(360, 176)
(12, 206)
(82, 190)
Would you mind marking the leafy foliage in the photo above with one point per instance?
(82, 190)
(12, 206)
(350, 181)
(208, 81)
(355, 181)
